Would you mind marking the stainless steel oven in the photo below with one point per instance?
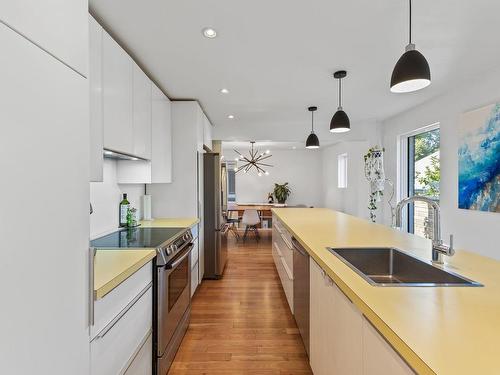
(172, 291)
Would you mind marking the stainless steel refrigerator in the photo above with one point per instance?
(215, 241)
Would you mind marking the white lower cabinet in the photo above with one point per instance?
(121, 335)
(142, 363)
(115, 347)
(342, 341)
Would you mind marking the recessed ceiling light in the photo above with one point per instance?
(230, 117)
(210, 33)
(224, 91)
(294, 147)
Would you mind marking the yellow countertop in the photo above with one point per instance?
(112, 267)
(437, 330)
(179, 222)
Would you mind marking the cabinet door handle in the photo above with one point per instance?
(287, 270)
(120, 315)
(327, 277)
(278, 250)
(287, 243)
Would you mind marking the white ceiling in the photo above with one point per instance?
(277, 57)
(244, 146)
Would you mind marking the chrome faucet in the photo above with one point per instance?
(438, 247)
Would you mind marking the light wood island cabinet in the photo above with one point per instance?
(335, 328)
(342, 341)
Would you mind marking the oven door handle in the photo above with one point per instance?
(181, 259)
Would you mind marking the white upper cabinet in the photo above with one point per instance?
(58, 26)
(207, 132)
(159, 168)
(95, 91)
(141, 113)
(117, 97)
(161, 159)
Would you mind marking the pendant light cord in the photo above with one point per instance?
(340, 93)
(312, 121)
(409, 24)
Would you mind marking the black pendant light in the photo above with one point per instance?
(411, 72)
(340, 121)
(312, 141)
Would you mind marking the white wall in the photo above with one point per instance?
(353, 199)
(300, 168)
(106, 197)
(474, 230)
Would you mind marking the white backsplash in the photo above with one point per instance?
(106, 197)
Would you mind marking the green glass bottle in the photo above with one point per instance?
(124, 206)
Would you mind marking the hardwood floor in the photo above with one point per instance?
(241, 324)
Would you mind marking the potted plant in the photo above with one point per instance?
(282, 192)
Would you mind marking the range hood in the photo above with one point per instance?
(109, 154)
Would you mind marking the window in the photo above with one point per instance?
(342, 171)
(422, 177)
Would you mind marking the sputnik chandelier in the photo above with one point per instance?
(253, 161)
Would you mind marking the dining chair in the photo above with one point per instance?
(251, 219)
(233, 220)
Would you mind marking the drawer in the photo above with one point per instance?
(142, 362)
(115, 347)
(194, 278)
(276, 255)
(283, 231)
(285, 275)
(108, 307)
(286, 249)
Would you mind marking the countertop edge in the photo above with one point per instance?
(404, 351)
(178, 222)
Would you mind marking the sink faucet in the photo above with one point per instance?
(438, 247)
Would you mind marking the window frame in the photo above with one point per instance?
(342, 170)
(404, 169)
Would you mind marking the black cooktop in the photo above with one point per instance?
(136, 238)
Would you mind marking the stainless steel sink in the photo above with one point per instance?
(392, 267)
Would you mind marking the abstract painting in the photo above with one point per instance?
(479, 159)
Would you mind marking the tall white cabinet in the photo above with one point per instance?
(183, 197)
(45, 153)
(59, 27)
(161, 161)
(96, 121)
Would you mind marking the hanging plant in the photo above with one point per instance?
(374, 173)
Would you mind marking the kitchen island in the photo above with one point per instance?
(435, 330)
